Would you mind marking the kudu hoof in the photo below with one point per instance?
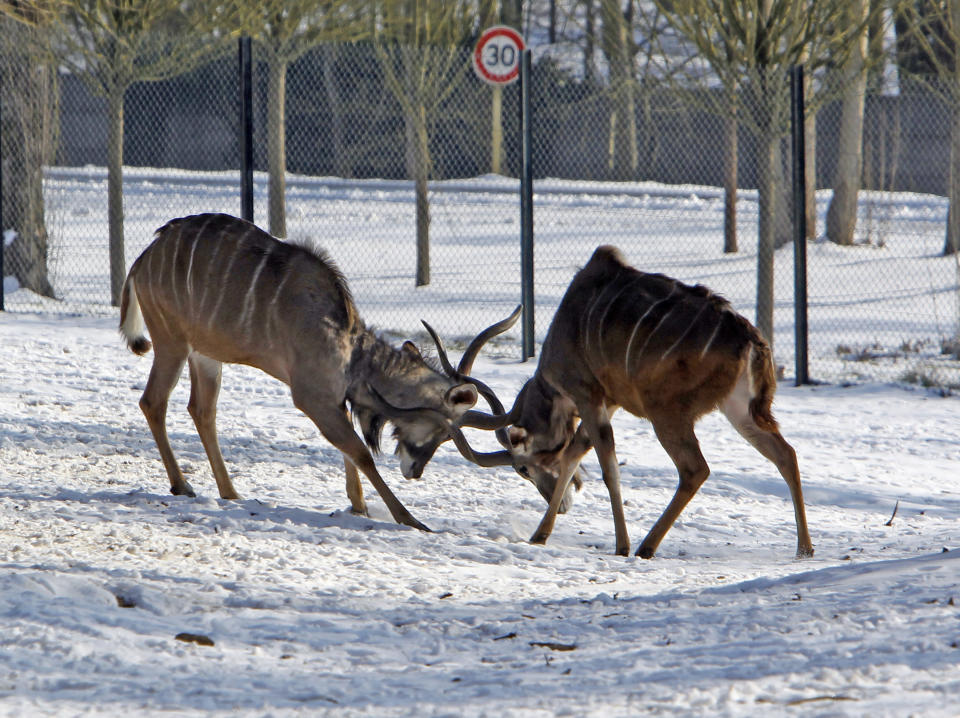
(185, 490)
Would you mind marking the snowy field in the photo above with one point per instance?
(882, 310)
(313, 611)
(293, 606)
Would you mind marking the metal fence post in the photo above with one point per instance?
(246, 129)
(3, 236)
(526, 209)
(799, 225)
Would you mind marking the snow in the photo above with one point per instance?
(314, 611)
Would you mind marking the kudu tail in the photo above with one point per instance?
(763, 382)
(131, 319)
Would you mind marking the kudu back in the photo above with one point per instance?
(662, 350)
(214, 289)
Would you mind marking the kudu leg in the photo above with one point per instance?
(597, 424)
(335, 426)
(354, 488)
(681, 444)
(204, 391)
(774, 447)
(164, 375)
(545, 528)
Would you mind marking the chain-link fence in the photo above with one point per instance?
(884, 308)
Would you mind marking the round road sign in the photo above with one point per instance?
(496, 59)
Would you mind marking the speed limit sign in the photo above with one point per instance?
(496, 59)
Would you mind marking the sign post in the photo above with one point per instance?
(499, 59)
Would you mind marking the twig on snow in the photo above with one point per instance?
(895, 507)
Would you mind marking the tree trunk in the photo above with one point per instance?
(552, 26)
(842, 212)
(783, 223)
(730, 157)
(277, 147)
(589, 61)
(810, 166)
(341, 166)
(952, 243)
(118, 266)
(28, 128)
(418, 168)
(768, 193)
(623, 159)
(496, 130)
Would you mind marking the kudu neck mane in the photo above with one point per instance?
(374, 357)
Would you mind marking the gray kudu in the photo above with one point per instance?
(660, 349)
(212, 288)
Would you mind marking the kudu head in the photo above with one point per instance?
(419, 431)
(544, 443)
(538, 434)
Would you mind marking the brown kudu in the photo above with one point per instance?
(660, 349)
(214, 289)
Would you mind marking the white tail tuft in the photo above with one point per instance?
(131, 319)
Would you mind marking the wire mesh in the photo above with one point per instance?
(883, 308)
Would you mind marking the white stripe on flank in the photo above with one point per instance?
(585, 329)
(271, 308)
(150, 285)
(686, 331)
(207, 284)
(148, 262)
(250, 302)
(585, 332)
(226, 277)
(603, 318)
(173, 269)
(156, 277)
(633, 334)
(713, 336)
(193, 249)
(654, 331)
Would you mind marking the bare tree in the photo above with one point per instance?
(754, 43)
(424, 55)
(929, 31)
(619, 49)
(842, 212)
(110, 45)
(28, 128)
(491, 12)
(284, 30)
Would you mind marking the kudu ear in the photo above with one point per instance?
(461, 397)
(409, 348)
(518, 438)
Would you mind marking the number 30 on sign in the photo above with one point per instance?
(496, 59)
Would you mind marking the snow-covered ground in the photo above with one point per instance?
(309, 610)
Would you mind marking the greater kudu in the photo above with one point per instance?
(212, 288)
(660, 349)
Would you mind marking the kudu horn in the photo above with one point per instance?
(486, 460)
(476, 419)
